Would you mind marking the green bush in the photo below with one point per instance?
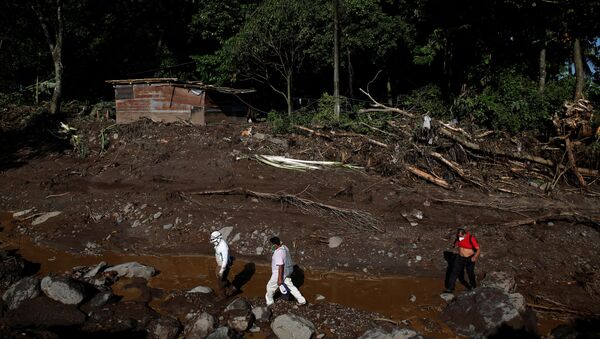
(428, 99)
(279, 122)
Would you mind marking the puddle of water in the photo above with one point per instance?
(389, 296)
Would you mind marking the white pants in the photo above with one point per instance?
(272, 287)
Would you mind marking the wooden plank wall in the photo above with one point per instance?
(161, 103)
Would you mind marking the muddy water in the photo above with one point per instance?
(389, 296)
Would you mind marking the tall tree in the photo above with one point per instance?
(53, 28)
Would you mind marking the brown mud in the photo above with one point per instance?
(135, 201)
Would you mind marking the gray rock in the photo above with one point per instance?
(164, 328)
(319, 297)
(396, 333)
(292, 326)
(259, 250)
(92, 273)
(259, 136)
(136, 223)
(133, 270)
(201, 289)
(44, 217)
(22, 213)
(235, 238)
(199, 326)
(239, 304)
(335, 242)
(101, 299)
(167, 226)
(239, 320)
(501, 280)
(226, 231)
(220, 333)
(412, 298)
(24, 289)
(261, 313)
(157, 215)
(279, 141)
(481, 312)
(63, 289)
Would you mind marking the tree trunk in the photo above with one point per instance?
(336, 61)
(350, 75)
(542, 80)
(579, 75)
(288, 80)
(55, 43)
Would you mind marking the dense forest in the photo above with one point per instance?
(504, 64)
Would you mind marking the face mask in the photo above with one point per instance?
(461, 238)
(273, 248)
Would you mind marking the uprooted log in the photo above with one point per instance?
(572, 163)
(359, 219)
(424, 175)
(379, 107)
(564, 216)
(330, 136)
(519, 156)
(454, 167)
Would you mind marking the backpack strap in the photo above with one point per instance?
(471, 241)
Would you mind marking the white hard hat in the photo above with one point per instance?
(215, 237)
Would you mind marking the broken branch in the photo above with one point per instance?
(424, 175)
(454, 166)
(383, 108)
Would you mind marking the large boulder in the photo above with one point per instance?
(44, 312)
(164, 328)
(133, 270)
(502, 280)
(239, 304)
(396, 333)
(199, 326)
(261, 313)
(24, 289)
(291, 326)
(63, 289)
(239, 320)
(12, 269)
(201, 289)
(481, 312)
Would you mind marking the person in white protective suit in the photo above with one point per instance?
(282, 267)
(223, 261)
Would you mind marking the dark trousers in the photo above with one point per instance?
(458, 272)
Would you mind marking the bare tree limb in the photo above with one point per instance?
(386, 108)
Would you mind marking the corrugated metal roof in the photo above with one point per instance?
(180, 83)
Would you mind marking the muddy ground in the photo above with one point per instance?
(137, 198)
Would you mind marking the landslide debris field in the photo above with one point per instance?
(154, 189)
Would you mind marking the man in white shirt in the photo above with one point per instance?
(223, 260)
(282, 267)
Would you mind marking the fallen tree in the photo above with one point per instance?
(356, 218)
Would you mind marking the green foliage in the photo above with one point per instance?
(513, 102)
(279, 122)
(427, 99)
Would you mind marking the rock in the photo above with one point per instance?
(63, 289)
(239, 320)
(417, 214)
(501, 280)
(167, 226)
(319, 297)
(128, 316)
(412, 298)
(92, 273)
(199, 326)
(335, 242)
(418, 258)
(448, 297)
(12, 269)
(23, 290)
(292, 326)
(101, 299)
(239, 304)
(44, 217)
(261, 313)
(133, 269)
(45, 312)
(259, 136)
(136, 223)
(226, 231)
(254, 329)
(200, 289)
(164, 328)
(396, 333)
(481, 312)
(259, 250)
(235, 238)
(220, 333)
(254, 200)
(157, 215)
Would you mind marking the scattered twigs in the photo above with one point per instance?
(379, 107)
(568, 216)
(57, 195)
(518, 209)
(424, 175)
(358, 219)
(454, 166)
(560, 310)
(330, 136)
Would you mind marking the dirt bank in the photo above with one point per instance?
(136, 198)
